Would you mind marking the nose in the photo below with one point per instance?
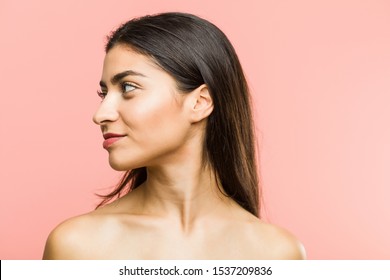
(107, 111)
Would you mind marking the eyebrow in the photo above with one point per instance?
(120, 76)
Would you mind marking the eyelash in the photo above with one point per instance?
(102, 95)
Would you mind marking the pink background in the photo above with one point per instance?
(320, 76)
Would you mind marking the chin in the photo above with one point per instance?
(121, 165)
(117, 167)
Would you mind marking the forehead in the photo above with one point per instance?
(122, 58)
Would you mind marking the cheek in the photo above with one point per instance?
(152, 120)
(156, 128)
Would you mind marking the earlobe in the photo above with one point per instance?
(202, 104)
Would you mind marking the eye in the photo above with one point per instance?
(127, 87)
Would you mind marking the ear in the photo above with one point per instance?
(201, 105)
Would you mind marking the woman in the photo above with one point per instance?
(175, 115)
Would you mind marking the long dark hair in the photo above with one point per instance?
(195, 52)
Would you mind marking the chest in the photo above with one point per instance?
(163, 244)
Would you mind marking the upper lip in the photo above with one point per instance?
(111, 135)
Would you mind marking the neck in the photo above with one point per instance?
(184, 193)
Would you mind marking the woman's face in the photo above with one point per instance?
(143, 108)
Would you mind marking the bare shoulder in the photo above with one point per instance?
(63, 242)
(87, 236)
(75, 238)
(278, 242)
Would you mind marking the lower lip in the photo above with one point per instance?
(108, 142)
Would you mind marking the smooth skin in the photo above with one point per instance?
(179, 212)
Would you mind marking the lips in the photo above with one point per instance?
(111, 138)
(111, 135)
